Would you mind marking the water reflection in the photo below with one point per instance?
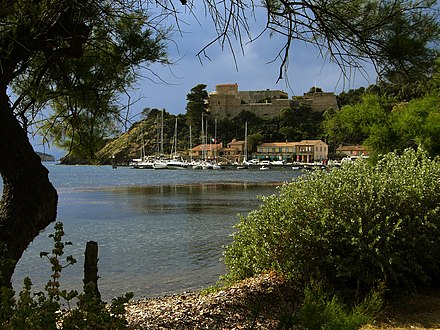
(194, 198)
(152, 239)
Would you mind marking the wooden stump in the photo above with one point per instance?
(91, 265)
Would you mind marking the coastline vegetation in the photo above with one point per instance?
(52, 309)
(364, 229)
(353, 239)
(354, 227)
(350, 238)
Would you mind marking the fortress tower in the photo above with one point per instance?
(227, 101)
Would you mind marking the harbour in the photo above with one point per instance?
(159, 232)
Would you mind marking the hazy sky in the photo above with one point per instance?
(168, 86)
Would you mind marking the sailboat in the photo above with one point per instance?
(194, 164)
(144, 162)
(176, 162)
(244, 164)
(160, 164)
(215, 166)
(201, 163)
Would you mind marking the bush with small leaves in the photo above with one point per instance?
(322, 310)
(42, 310)
(353, 227)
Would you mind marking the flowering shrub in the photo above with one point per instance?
(353, 227)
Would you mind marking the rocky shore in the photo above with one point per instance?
(255, 303)
(259, 303)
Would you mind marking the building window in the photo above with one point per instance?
(273, 149)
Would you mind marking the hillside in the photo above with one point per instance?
(45, 157)
(141, 138)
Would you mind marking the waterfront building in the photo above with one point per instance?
(207, 151)
(232, 153)
(239, 155)
(349, 151)
(305, 151)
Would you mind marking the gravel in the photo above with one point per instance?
(255, 303)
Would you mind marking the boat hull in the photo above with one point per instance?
(176, 166)
(159, 166)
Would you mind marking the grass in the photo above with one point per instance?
(421, 311)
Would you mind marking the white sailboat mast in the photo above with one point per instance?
(215, 140)
(206, 140)
(190, 142)
(143, 142)
(203, 141)
(245, 143)
(161, 135)
(175, 139)
(157, 135)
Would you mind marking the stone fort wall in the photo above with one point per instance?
(227, 101)
(319, 101)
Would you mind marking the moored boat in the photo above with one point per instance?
(145, 163)
(177, 163)
(159, 164)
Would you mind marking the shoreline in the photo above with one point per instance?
(252, 303)
(259, 303)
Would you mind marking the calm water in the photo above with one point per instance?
(159, 232)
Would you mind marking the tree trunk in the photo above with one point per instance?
(29, 201)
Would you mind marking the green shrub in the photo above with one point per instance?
(354, 227)
(321, 310)
(42, 310)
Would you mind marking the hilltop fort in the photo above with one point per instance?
(227, 101)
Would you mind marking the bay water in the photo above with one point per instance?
(158, 231)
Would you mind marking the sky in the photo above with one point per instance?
(255, 69)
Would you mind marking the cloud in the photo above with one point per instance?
(255, 69)
(167, 87)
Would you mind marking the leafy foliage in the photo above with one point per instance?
(84, 92)
(384, 124)
(351, 97)
(321, 310)
(353, 227)
(353, 124)
(43, 310)
(195, 107)
(418, 123)
(300, 123)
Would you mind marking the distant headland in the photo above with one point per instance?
(45, 157)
